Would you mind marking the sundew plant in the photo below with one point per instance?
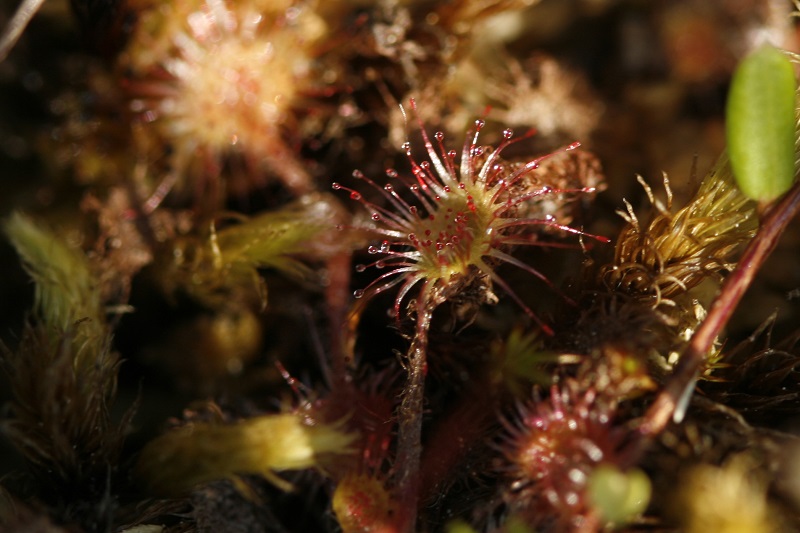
(461, 223)
(213, 322)
(463, 219)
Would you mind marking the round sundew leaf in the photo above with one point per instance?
(760, 126)
(618, 496)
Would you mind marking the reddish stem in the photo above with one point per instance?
(681, 384)
(337, 296)
(409, 441)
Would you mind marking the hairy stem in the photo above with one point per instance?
(672, 400)
(409, 442)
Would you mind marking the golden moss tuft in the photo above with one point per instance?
(726, 499)
(675, 252)
(221, 268)
(200, 452)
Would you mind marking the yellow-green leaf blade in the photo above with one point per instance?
(760, 125)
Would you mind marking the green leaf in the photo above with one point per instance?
(618, 496)
(760, 126)
(459, 526)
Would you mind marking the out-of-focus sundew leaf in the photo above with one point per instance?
(362, 503)
(760, 125)
(619, 496)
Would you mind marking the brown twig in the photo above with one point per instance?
(670, 404)
(13, 31)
